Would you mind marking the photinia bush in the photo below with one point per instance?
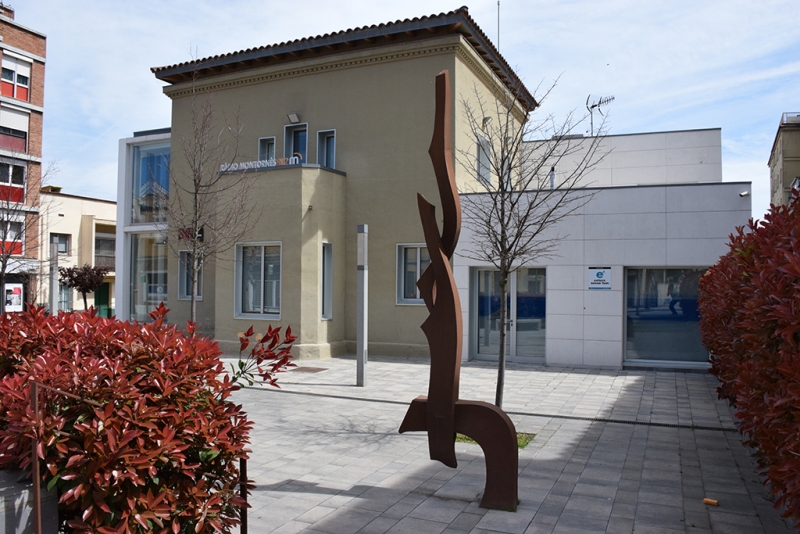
(750, 322)
(150, 442)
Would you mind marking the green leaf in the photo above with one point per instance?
(53, 481)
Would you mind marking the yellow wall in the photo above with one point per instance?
(381, 104)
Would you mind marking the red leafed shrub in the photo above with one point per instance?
(152, 442)
(750, 322)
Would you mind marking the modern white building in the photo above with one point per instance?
(622, 288)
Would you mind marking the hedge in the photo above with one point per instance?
(750, 322)
(160, 453)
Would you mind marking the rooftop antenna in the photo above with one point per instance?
(601, 102)
(498, 24)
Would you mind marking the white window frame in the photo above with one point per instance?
(322, 148)
(183, 278)
(265, 140)
(400, 274)
(288, 140)
(238, 278)
(326, 281)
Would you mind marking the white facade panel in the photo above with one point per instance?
(599, 302)
(708, 197)
(566, 277)
(564, 352)
(561, 302)
(626, 226)
(625, 143)
(598, 353)
(694, 138)
(638, 158)
(565, 326)
(699, 224)
(694, 156)
(626, 251)
(639, 176)
(696, 252)
(627, 200)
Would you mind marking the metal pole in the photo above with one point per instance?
(361, 307)
(53, 278)
(243, 493)
(37, 479)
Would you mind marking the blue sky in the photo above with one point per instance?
(671, 65)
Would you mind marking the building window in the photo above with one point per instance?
(258, 281)
(148, 282)
(326, 149)
(266, 148)
(64, 297)
(482, 162)
(296, 142)
(662, 320)
(105, 251)
(327, 281)
(412, 260)
(11, 237)
(185, 274)
(16, 78)
(150, 183)
(14, 129)
(62, 240)
(12, 183)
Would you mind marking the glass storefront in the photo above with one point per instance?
(663, 323)
(526, 327)
(148, 273)
(150, 183)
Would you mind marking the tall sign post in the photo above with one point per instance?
(362, 306)
(53, 278)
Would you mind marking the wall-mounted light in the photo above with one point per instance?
(294, 118)
(744, 194)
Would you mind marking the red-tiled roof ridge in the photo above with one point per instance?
(493, 58)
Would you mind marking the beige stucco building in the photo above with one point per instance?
(355, 111)
(84, 231)
(784, 159)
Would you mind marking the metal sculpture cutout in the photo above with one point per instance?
(441, 413)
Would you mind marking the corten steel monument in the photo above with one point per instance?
(442, 413)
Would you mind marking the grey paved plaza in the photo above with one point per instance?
(327, 456)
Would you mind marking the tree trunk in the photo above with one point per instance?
(85, 303)
(2, 292)
(195, 268)
(501, 350)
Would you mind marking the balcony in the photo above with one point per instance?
(102, 260)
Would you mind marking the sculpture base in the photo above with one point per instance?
(492, 429)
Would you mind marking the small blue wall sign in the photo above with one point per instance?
(599, 278)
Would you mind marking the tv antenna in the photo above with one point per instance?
(601, 102)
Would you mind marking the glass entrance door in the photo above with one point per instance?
(526, 306)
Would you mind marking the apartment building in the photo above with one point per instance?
(22, 53)
(83, 229)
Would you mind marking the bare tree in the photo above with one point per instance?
(517, 194)
(20, 193)
(210, 206)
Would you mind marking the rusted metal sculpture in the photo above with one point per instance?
(441, 413)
